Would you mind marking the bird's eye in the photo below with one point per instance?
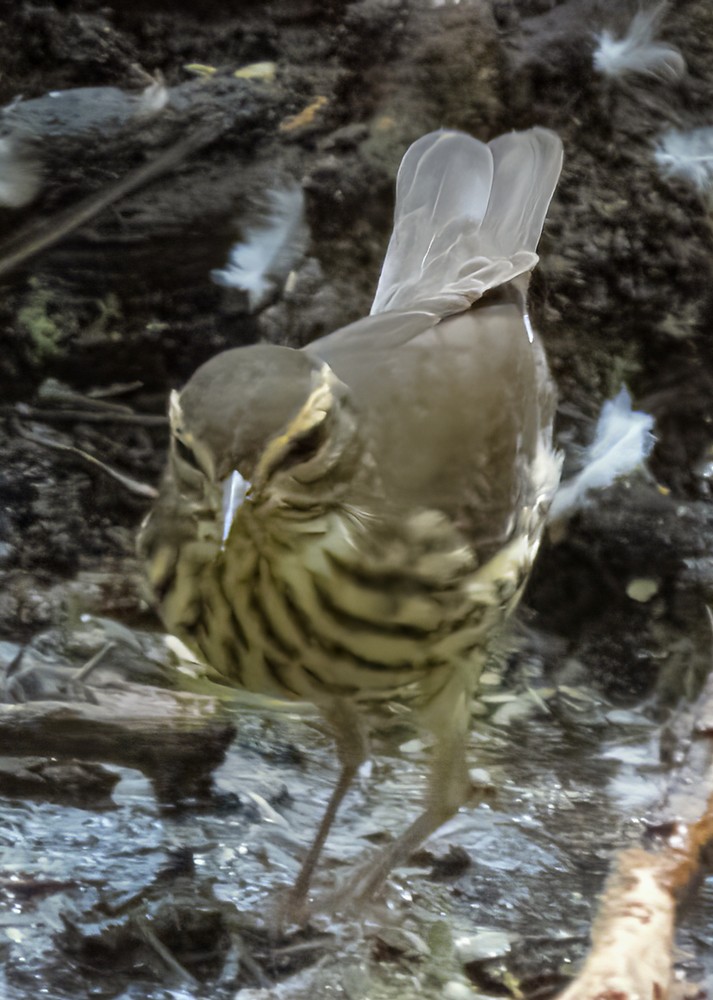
(186, 454)
(304, 447)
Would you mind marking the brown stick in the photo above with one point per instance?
(631, 957)
(30, 240)
(175, 739)
(132, 485)
(88, 417)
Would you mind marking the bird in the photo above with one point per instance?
(352, 522)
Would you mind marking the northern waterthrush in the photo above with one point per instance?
(352, 522)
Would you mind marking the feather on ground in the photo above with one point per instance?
(261, 264)
(622, 440)
(637, 51)
(688, 156)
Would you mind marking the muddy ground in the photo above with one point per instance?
(99, 325)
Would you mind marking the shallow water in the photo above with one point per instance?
(572, 786)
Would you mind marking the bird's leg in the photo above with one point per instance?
(352, 750)
(449, 786)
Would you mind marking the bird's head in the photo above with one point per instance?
(268, 426)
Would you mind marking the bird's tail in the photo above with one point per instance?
(468, 218)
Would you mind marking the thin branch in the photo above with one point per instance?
(175, 739)
(164, 953)
(633, 935)
(87, 417)
(92, 663)
(52, 391)
(132, 485)
(33, 238)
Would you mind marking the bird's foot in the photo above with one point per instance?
(291, 912)
(355, 892)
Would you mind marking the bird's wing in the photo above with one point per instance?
(455, 412)
(367, 334)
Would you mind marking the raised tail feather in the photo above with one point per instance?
(468, 218)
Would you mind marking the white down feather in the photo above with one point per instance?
(687, 155)
(622, 440)
(637, 51)
(261, 263)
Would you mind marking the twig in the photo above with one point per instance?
(133, 485)
(632, 939)
(88, 417)
(175, 739)
(118, 389)
(300, 947)
(252, 964)
(164, 953)
(31, 239)
(94, 661)
(52, 391)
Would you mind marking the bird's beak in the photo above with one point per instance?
(234, 490)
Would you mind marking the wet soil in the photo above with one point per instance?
(102, 323)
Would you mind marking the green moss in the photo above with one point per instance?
(37, 319)
(53, 322)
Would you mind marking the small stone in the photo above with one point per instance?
(642, 590)
(484, 945)
(257, 71)
(457, 991)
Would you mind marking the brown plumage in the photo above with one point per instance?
(352, 522)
